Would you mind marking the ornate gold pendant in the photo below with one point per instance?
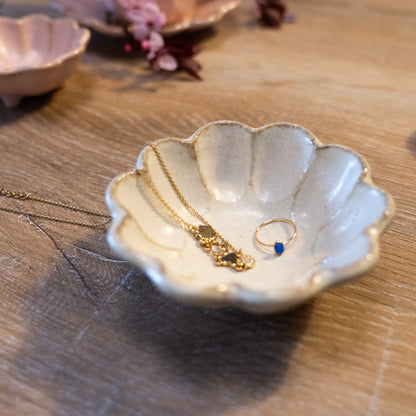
(220, 249)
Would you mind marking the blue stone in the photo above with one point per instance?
(279, 248)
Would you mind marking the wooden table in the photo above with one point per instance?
(84, 333)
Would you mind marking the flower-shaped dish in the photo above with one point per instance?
(237, 178)
(93, 14)
(37, 55)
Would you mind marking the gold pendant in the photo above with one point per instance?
(220, 249)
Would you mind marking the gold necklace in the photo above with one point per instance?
(223, 252)
(27, 196)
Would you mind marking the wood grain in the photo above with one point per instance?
(83, 333)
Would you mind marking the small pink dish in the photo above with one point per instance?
(37, 55)
(93, 14)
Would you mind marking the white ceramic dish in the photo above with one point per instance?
(92, 13)
(37, 55)
(238, 177)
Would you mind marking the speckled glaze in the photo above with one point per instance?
(37, 55)
(199, 14)
(239, 177)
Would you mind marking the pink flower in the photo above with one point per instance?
(145, 21)
(140, 30)
(165, 62)
(177, 55)
(153, 45)
(145, 15)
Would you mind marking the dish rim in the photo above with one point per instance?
(72, 53)
(263, 301)
(114, 30)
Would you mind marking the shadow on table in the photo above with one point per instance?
(28, 105)
(133, 68)
(75, 92)
(107, 59)
(112, 47)
(102, 340)
(411, 143)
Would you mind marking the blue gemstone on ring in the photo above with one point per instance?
(279, 248)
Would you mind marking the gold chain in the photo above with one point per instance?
(223, 252)
(27, 196)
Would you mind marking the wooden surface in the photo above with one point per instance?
(83, 333)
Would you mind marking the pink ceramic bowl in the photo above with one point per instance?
(177, 10)
(182, 15)
(174, 10)
(37, 55)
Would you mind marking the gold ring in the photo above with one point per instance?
(278, 247)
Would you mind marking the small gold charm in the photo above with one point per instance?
(219, 249)
(237, 261)
(230, 258)
(206, 231)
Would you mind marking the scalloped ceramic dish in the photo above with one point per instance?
(239, 177)
(37, 55)
(92, 13)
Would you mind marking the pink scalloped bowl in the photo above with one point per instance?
(37, 55)
(92, 13)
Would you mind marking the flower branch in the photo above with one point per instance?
(143, 23)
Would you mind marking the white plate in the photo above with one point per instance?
(238, 177)
(92, 13)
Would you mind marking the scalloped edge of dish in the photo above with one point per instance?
(234, 295)
(114, 30)
(79, 50)
(199, 24)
